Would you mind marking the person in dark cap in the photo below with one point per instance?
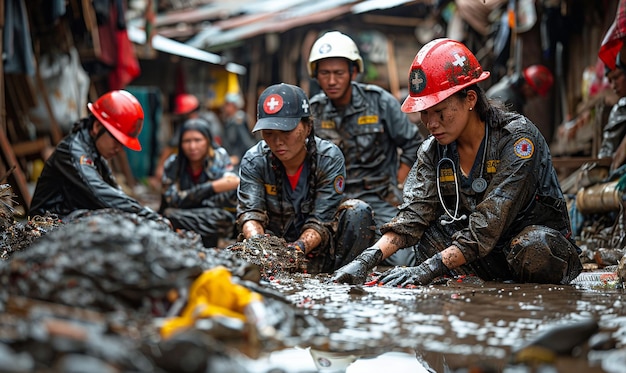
(292, 185)
(199, 185)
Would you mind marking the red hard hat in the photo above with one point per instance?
(121, 113)
(539, 78)
(185, 103)
(441, 68)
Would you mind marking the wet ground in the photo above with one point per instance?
(455, 327)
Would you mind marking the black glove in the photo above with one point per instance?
(423, 274)
(356, 271)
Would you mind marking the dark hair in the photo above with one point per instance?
(279, 170)
(483, 104)
(194, 124)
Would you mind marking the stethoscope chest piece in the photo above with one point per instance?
(479, 185)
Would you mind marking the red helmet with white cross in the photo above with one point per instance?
(441, 68)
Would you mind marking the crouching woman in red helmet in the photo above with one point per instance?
(483, 197)
(77, 175)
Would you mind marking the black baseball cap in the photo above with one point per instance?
(280, 107)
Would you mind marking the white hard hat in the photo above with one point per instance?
(333, 44)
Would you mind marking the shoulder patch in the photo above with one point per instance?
(339, 184)
(84, 160)
(524, 148)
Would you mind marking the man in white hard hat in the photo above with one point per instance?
(377, 139)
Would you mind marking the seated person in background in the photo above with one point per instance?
(515, 90)
(614, 131)
(186, 106)
(77, 175)
(292, 186)
(199, 185)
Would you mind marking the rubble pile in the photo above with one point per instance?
(269, 253)
(93, 293)
(602, 241)
(110, 260)
(15, 236)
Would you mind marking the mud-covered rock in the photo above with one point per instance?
(110, 260)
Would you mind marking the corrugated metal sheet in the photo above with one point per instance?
(174, 47)
(319, 12)
(227, 22)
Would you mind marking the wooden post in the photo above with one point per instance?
(392, 70)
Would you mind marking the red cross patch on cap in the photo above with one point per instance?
(273, 103)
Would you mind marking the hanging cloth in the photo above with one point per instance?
(18, 51)
(614, 38)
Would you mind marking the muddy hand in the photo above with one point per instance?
(423, 274)
(356, 271)
(296, 246)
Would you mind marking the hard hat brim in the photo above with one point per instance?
(414, 104)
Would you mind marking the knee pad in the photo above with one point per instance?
(543, 255)
(356, 209)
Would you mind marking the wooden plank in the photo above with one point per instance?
(394, 82)
(26, 148)
(575, 162)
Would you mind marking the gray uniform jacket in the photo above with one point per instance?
(287, 213)
(522, 190)
(615, 129)
(369, 132)
(76, 177)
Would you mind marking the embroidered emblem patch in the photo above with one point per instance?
(273, 103)
(86, 161)
(524, 148)
(417, 81)
(339, 184)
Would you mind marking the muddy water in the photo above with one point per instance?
(455, 326)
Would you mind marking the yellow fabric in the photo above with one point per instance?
(211, 294)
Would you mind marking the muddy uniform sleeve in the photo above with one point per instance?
(510, 191)
(251, 193)
(420, 204)
(614, 130)
(92, 183)
(331, 174)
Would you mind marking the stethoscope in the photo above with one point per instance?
(479, 184)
